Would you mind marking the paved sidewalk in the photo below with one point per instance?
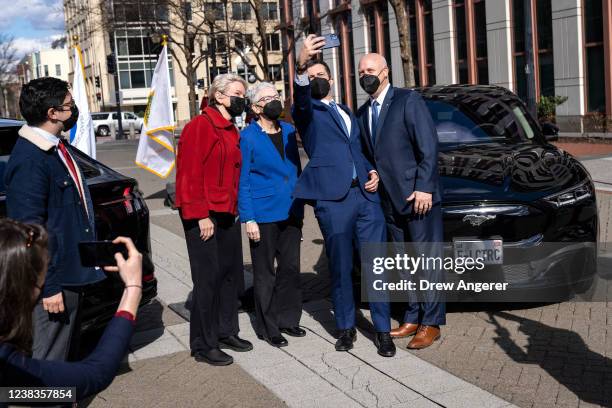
(177, 380)
(309, 372)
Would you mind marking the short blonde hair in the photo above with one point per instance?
(221, 83)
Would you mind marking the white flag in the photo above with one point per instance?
(156, 147)
(82, 134)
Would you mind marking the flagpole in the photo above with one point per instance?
(164, 43)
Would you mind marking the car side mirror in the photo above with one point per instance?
(550, 131)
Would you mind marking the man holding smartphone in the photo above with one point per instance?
(45, 186)
(342, 185)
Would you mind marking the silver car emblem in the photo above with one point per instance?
(477, 220)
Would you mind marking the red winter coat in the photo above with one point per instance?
(208, 166)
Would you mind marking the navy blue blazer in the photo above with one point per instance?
(405, 149)
(266, 179)
(89, 376)
(40, 190)
(329, 172)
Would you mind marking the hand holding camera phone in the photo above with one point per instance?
(313, 45)
(331, 41)
(119, 255)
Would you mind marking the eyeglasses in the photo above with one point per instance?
(267, 99)
(69, 105)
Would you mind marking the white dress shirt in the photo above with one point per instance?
(380, 100)
(345, 117)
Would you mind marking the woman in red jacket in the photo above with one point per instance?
(208, 171)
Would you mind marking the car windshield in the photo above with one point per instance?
(481, 120)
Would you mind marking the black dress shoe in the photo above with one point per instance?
(346, 338)
(214, 357)
(296, 331)
(235, 343)
(385, 345)
(275, 341)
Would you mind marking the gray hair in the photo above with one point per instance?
(221, 83)
(254, 91)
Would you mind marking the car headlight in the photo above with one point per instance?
(571, 196)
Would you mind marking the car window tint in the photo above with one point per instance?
(115, 116)
(99, 116)
(478, 120)
(8, 137)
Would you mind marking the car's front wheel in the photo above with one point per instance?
(103, 131)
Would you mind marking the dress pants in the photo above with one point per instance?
(424, 233)
(278, 297)
(217, 274)
(353, 218)
(56, 335)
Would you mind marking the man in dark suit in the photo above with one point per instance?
(45, 186)
(343, 184)
(402, 142)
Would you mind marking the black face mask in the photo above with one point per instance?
(369, 83)
(319, 88)
(272, 110)
(237, 106)
(72, 120)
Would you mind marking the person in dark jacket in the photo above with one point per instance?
(401, 140)
(24, 258)
(45, 186)
(273, 218)
(207, 176)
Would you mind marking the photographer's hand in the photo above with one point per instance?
(130, 271)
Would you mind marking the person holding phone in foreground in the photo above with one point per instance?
(342, 184)
(24, 258)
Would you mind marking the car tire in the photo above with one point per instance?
(103, 131)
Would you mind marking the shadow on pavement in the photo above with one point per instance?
(582, 371)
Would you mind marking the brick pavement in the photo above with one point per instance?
(555, 355)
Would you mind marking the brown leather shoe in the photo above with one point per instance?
(405, 330)
(425, 337)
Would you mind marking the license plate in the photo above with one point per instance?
(491, 250)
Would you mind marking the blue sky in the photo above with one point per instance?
(33, 23)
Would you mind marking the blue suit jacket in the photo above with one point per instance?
(266, 180)
(329, 172)
(405, 148)
(39, 190)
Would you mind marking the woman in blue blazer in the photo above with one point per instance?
(270, 169)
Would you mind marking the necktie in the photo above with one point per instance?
(334, 110)
(334, 107)
(71, 168)
(374, 120)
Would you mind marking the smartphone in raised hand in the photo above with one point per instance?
(331, 41)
